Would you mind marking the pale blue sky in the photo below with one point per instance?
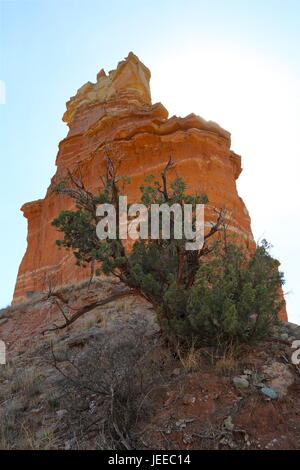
(235, 62)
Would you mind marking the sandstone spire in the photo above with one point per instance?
(130, 77)
(116, 112)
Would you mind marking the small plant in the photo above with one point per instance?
(53, 402)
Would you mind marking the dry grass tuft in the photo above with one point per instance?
(26, 382)
(226, 365)
(191, 359)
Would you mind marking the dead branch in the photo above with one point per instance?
(87, 308)
(169, 166)
(220, 221)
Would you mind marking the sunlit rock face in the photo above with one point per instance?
(116, 115)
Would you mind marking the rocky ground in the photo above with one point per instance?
(109, 381)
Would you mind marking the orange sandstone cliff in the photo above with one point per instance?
(116, 112)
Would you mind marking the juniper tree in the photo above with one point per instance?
(214, 291)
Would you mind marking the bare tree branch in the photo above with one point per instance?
(91, 306)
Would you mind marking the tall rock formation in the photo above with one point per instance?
(116, 113)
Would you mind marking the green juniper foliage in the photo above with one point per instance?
(200, 295)
(233, 298)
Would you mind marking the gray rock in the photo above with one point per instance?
(228, 424)
(83, 337)
(69, 443)
(176, 372)
(279, 377)
(269, 392)
(240, 382)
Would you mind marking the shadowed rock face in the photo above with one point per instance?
(115, 114)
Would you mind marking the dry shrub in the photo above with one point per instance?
(109, 392)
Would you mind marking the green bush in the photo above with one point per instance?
(233, 299)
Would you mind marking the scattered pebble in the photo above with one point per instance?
(228, 424)
(188, 400)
